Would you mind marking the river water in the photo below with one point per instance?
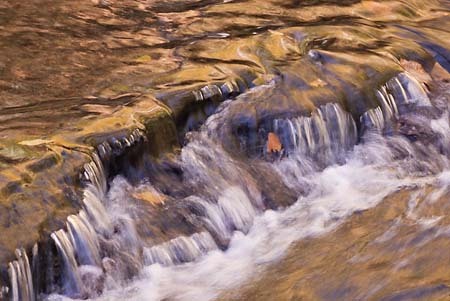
(332, 169)
(356, 95)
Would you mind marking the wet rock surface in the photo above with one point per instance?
(401, 260)
(80, 78)
(29, 211)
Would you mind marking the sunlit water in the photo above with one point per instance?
(333, 175)
(344, 87)
(338, 191)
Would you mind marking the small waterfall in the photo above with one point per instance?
(78, 246)
(406, 89)
(21, 278)
(72, 283)
(95, 173)
(101, 242)
(84, 239)
(394, 97)
(233, 212)
(180, 250)
(94, 229)
(374, 119)
(325, 136)
(388, 102)
(95, 210)
(330, 131)
(227, 206)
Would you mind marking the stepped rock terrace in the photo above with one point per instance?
(175, 150)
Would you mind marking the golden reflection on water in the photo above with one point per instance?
(123, 46)
(54, 53)
(395, 251)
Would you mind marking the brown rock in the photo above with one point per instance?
(416, 70)
(152, 197)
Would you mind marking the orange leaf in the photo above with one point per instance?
(273, 143)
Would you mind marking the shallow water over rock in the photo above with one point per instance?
(230, 135)
(233, 228)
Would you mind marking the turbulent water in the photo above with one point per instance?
(359, 111)
(333, 168)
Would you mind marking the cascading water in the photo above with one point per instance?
(333, 169)
(402, 90)
(325, 136)
(21, 277)
(78, 247)
(100, 248)
(180, 250)
(232, 133)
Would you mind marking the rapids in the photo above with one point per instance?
(358, 101)
(334, 171)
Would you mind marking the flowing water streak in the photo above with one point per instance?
(180, 250)
(374, 119)
(401, 90)
(233, 211)
(325, 136)
(95, 173)
(66, 249)
(79, 242)
(84, 238)
(363, 180)
(21, 279)
(337, 191)
(236, 215)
